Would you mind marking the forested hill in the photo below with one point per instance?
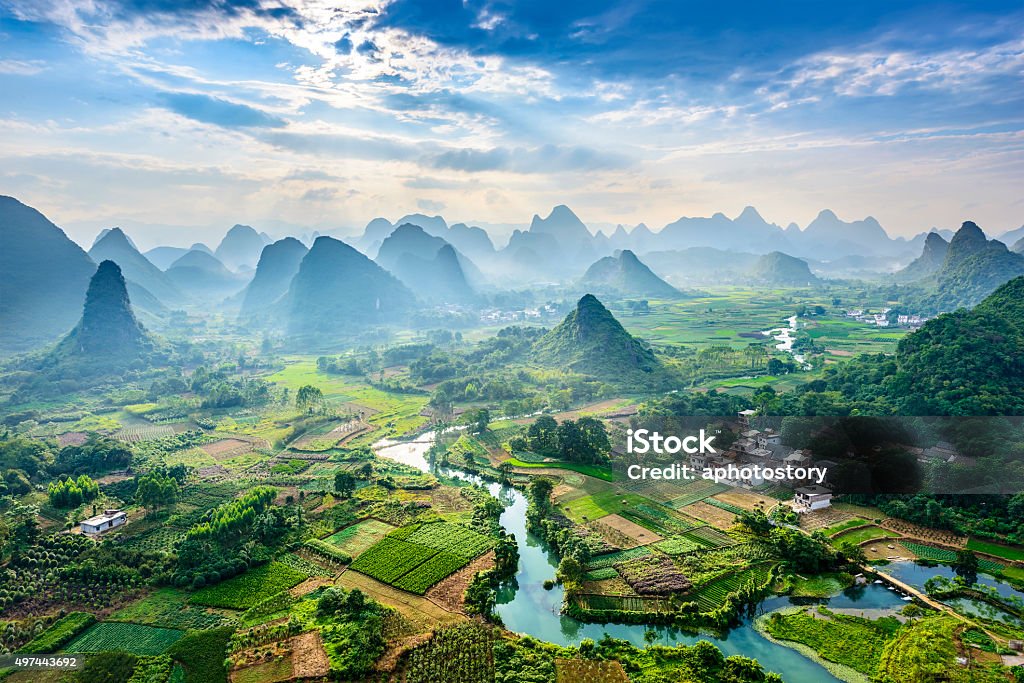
(970, 362)
(592, 342)
(972, 269)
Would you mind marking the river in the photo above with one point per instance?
(786, 336)
(527, 608)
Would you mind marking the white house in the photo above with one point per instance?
(100, 523)
(809, 498)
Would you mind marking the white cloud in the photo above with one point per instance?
(18, 67)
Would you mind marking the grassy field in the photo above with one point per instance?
(589, 470)
(1004, 551)
(598, 505)
(354, 539)
(395, 413)
(858, 536)
(730, 316)
(169, 607)
(851, 641)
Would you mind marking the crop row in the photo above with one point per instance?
(609, 559)
(133, 638)
(53, 638)
(325, 549)
(430, 572)
(710, 537)
(929, 552)
(303, 565)
(451, 538)
(244, 591)
(696, 492)
(711, 595)
(391, 558)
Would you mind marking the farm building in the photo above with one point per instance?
(100, 523)
(808, 498)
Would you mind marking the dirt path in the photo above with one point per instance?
(309, 659)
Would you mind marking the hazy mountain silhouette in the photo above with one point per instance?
(591, 341)
(203, 276)
(564, 226)
(627, 275)
(338, 290)
(278, 264)
(777, 268)
(439, 279)
(240, 247)
(413, 241)
(933, 255)
(43, 278)
(116, 246)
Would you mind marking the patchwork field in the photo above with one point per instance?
(169, 607)
(225, 449)
(863, 535)
(392, 413)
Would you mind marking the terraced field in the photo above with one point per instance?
(711, 595)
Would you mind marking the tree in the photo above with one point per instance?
(156, 489)
(571, 445)
(595, 438)
(309, 398)
(481, 420)
(542, 436)
(755, 521)
(966, 566)
(344, 484)
(853, 553)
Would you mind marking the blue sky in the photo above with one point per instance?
(200, 114)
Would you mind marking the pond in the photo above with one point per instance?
(527, 608)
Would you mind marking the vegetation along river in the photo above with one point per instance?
(527, 608)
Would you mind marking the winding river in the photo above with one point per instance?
(526, 607)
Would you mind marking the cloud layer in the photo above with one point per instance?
(324, 113)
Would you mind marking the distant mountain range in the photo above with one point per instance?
(560, 247)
